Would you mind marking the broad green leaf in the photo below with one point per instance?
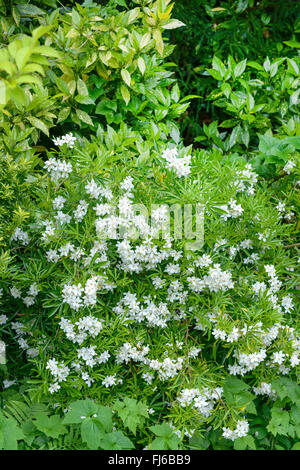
(63, 114)
(51, 426)
(132, 413)
(219, 66)
(162, 430)
(22, 56)
(30, 10)
(92, 433)
(125, 94)
(126, 76)
(116, 441)
(80, 410)
(10, 433)
(141, 65)
(173, 24)
(82, 88)
(292, 43)
(2, 92)
(84, 117)
(38, 124)
(47, 50)
(240, 68)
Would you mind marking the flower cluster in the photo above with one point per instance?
(241, 430)
(68, 139)
(202, 400)
(180, 165)
(58, 169)
(21, 236)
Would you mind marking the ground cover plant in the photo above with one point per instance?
(120, 328)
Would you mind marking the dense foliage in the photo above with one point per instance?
(119, 332)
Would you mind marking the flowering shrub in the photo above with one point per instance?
(151, 286)
(145, 317)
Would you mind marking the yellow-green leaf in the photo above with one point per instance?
(126, 76)
(141, 65)
(158, 41)
(38, 124)
(145, 40)
(82, 88)
(84, 117)
(63, 114)
(125, 94)
(173, 24)
(2, 93)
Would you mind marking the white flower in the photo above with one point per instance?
(109, 381)
(287, 303)
(289, 166)
(181, 166)
(81, 211)
(278, 357)
(58, 202)
(3, 319)
(21, 236)
(217, 333)
(67, 139)
(54, 387)
(58, 169)
(62, 218)
(8, 383)
(16, 293)
(127, 184)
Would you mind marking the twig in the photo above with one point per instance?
(276, 179)
(293, 245)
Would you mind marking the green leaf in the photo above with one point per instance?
(29, 79)
(159, 444)
(240, 68)
(22, 56)
(199, 442)
(104, 415)
(47, 50)
(38, 124)
(76, 18)
(51, 426)
(126, 76)
(125, 94)
(84, 99)
(80, 410)
(63, 114)
(162, 430)
(141, 65)
(83, 116)
(218, 66)
(292, 43)
(245, 442)
(287, 388)
(30, 10)
(116, 441)
(10, 433)
(2, 92)
(173, 24)
(280, 422)
(82, 88)
(132, 413)
(62, 85)
(92, 433)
